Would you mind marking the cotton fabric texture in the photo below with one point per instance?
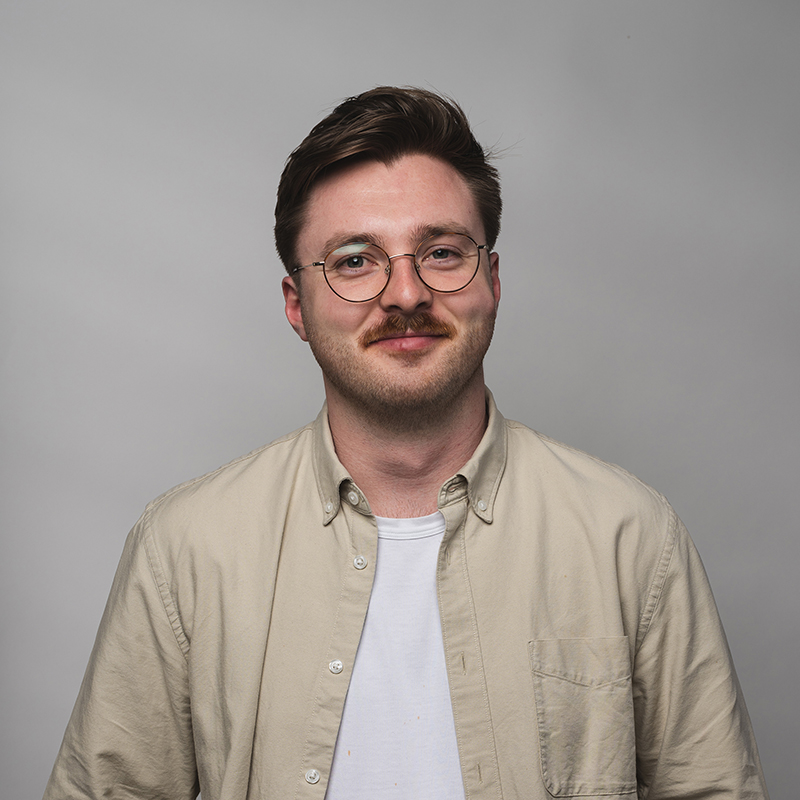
(584, 652)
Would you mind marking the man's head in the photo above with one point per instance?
(383, 125)
(403, 192)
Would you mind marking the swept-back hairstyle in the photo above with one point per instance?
(384, 124)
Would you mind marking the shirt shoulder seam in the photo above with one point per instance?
(153, 504)
(656, 588)
(159, 576)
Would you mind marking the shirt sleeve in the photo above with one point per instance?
(130, 733)
(694, 740)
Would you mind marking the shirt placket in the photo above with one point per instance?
(465, 672)
(336, 668)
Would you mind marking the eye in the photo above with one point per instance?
(355, 259)
(354, 262)
(441, 255)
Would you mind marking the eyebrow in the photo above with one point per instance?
(348, 237)
(418, 234)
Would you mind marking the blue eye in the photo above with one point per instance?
(441, 256)
(354, 260)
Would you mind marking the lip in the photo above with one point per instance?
(410, 340)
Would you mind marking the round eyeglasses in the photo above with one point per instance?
(359, 271)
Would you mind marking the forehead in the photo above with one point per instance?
(389, 202)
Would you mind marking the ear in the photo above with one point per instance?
(294, 312)
(494, 269)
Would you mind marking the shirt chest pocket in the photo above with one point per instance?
(584, 709)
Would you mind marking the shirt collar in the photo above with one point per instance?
(482, 473)
(330, 472)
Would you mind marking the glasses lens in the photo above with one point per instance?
(357, 271)
(448, 262)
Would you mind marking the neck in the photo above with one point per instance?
(401, 468)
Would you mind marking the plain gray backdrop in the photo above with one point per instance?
(649, 259)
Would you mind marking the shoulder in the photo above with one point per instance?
(236, 496)
(583, 483)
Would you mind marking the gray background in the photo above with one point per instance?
(649, 259)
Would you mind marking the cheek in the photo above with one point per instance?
(332, 317)
(477, 306)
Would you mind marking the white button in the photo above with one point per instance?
(312, 776)
(329, 507)
(336, 666)
(359, 562)
(481, 505)
(353, 498)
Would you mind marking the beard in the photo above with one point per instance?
(404, 391)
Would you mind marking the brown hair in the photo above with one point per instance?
(384, 124)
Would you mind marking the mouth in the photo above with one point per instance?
(408, 335)
(407, 343)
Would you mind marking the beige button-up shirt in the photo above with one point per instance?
(584, 652)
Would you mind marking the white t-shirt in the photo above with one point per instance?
(397, 737)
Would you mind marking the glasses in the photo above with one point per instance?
(359, 271)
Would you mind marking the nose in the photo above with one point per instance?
(405, 291)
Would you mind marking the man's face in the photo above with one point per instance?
(411, 351)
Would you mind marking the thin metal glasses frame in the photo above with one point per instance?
(388, 268)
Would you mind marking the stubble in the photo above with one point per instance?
(407, 390)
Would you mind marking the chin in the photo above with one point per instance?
(411, 403)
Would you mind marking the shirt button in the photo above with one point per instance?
(312, 776)
(481, 505)
(353, 498)
(329, 507)
(359, 562)
(336, 666)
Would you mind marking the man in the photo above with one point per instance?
(411, 597)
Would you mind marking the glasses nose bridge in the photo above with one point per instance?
(390, 259)
(412, 256)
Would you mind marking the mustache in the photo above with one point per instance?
(422, 322)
